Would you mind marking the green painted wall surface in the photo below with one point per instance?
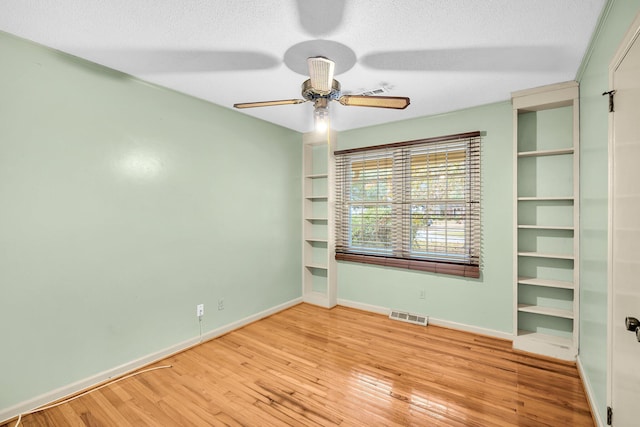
(594, 196)
(486, 302)
(123, 206)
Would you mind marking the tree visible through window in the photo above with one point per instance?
(417, 201)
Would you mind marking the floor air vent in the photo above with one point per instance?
(408, 317)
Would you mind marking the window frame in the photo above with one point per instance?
(401, 253)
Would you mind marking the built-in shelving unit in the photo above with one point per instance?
(546, 218)
(318, 247)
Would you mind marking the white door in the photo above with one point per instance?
(625, 231)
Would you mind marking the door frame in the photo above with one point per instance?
(632, 34)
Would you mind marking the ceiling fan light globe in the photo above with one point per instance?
(321, 119)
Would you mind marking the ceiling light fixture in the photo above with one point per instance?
(321, 115)
(321, 88)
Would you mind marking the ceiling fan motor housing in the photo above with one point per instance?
(309, 93)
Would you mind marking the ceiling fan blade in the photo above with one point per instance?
(269, 103)
(320, 17)
(152, 61)
(478, 59)
(395, 102)
(321, 74)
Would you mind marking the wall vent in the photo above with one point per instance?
(408, 317)
(373, 92)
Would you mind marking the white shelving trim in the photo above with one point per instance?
(316, 239)
(315, 218)
(316, 197)
(317, 266)
(545, 199)
(534, 281)
(542, 153)
(544, 255)
(546, 227)
(317, 176)
(546, 311)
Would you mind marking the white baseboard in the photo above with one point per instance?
(432, 321)
(253, 318)
(317, 298)
(470, 328)
(95, 380)
(92, 381)
(590, 396)
(364, 307)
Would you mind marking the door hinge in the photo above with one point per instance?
(610, 93)
(609, 415)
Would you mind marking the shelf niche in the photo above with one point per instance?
(318, 245)
(546, 228)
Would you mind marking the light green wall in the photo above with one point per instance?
(486, 302)
(113, 225)
(123, 205)
(594, 195)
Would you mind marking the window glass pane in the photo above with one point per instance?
(370, 227)
(420, 224)
(371, 180)
(437, 179)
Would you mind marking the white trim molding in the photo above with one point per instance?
(470, 328)
(95, 380)
(630, 36)
(364, 307)
(250, 319)
(432, 321)
(595, 413)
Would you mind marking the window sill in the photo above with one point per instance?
(472, 271)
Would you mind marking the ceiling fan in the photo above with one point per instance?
(321, 88)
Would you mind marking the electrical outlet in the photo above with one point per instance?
(200, 310)
(422, 294)
(221, 304)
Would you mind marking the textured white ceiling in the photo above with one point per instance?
(443, 54)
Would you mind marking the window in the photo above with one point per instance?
(412, 204)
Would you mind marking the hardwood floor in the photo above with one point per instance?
(309, 366)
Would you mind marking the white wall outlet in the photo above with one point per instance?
(221, 304)
(423, 294)
(200, 310)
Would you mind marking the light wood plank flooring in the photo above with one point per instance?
(309, 366)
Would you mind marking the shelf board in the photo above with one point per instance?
(545, 311)
(546, 199)
(547, 338)
(533, 281)
(543, 255)
(314, 239)
(542, 153)
(317, 197)
(317, 219)
(546, 227)
(317, 176)
(316, 266)
(546, 344)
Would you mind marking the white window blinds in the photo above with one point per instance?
(412, 204)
